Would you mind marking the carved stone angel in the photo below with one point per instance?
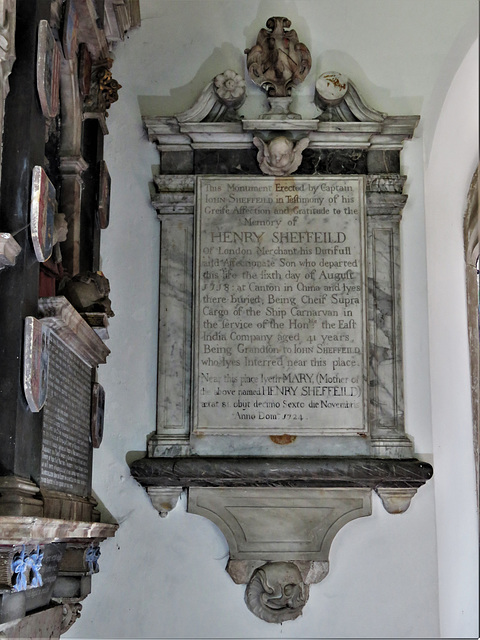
(280, 157)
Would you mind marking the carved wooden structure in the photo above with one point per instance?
(56, 87)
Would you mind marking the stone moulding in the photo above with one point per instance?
(58, 314)
(19, 497)
(198, 471)
(19, 530)
(169, 134)
(395, 481)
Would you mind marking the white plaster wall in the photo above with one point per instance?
(165, 578)
(453, 159)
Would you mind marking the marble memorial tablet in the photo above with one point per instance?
(280, 306)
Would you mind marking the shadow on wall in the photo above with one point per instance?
(229, 57)
(224, 57)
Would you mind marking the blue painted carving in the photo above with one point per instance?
(91, 558)
(34, 561)
(27, 569)
(19, 566)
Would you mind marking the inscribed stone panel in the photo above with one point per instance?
(279, 306)
(66, 447)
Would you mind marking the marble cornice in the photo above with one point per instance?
(390, 134)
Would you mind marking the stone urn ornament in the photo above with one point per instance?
(277, 63)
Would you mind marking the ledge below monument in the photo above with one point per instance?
(224, 471)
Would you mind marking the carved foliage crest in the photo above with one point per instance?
(278, 61)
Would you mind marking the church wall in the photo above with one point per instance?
(165, 578)
(452, 163)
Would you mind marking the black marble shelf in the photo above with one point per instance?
(197, 471)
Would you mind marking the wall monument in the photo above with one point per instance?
(280, 383)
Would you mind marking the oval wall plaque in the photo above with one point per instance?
(42, 214)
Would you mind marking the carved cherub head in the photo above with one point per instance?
(276, 592)
(280, 157)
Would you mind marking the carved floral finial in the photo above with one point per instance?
(219, 100)
(230, 88)
(280, 157)
(278, 61)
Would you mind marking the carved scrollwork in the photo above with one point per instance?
(280, 156)
(276, 592)
(109, 87)
(103, 90)
(278, 61)
(71, 612)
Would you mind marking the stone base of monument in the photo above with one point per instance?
(279, 517)
(279, 538)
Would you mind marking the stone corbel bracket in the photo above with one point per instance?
(278, 536)
(279, 517)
